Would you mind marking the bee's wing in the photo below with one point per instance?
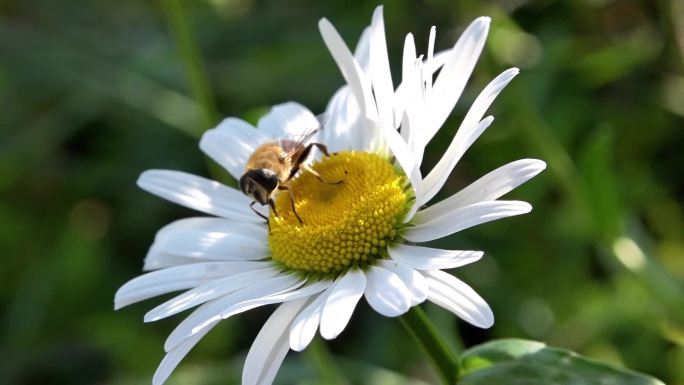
(296, 151)
(291, 146)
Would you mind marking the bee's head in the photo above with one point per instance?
(259, 184)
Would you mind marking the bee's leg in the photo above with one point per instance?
(251, 206)
(271, 203)
(268, 222)
(322, 147)
(319, 177)
(292, 202)
(294, 209)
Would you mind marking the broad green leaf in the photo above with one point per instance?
(513, 361)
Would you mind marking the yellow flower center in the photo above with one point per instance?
(343, 224)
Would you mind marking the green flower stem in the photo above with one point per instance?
(324, 364)
(192, 63)
(442, 358)
(196, 76)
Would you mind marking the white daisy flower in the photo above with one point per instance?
(357, 238)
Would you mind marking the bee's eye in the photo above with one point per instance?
(271, 180)
(246, 184)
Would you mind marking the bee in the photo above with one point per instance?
(272, 166)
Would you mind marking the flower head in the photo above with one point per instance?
(352, 221)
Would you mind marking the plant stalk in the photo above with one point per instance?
(192, 63)
(442, 358)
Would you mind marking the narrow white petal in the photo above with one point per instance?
(425, 258)
(198, 193)
(295, 291)
(429, 62)
(256, 231)
(439, 174)
(414, 281)
(362, 51)
(157, 259)
(142, 294)
(352, 73)
(340, 114)
(304, 327)
(178, 278)
(454, 295)
(407, 162)
(213, 311)
(452, 79)
(438, 61)
(386, 292)
(231, 143)
(381, 77)
(287, 120)
(270, 345)
(463, 218)
(408, 67)
(490, 187)
(174, 357)
(213, 246)
(208, 291)
(415, 116)
(340, 303)
(466, 135)
(239, 129)
(205, 238)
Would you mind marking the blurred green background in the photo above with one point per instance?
(92, 93)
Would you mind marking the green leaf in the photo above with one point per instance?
(513, 361)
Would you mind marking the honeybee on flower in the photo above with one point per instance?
(360, 238)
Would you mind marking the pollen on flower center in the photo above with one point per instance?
(343, 224)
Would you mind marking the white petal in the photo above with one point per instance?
(256, 231)
(174, 357)
(288, 120)
(362, 51)
(425, 258)
(381, 77)
(231, 143)
(352, 73)
(408, 68)
(454, 295)
(204, 238)
(439, 174)
(466, 135)
(342, 299)
(438, 61)
(208, 291)
(198, 193)
(291, 293)
(213, 246)
(270, 345)
(304, 327)
(407, 162)
(341, 112)
(386, 292)
(463, 218)
(178, 278)
(490, 187)
(452, 79)
(429, 62)
(213, 311)
(414, 281)
(157, 259)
